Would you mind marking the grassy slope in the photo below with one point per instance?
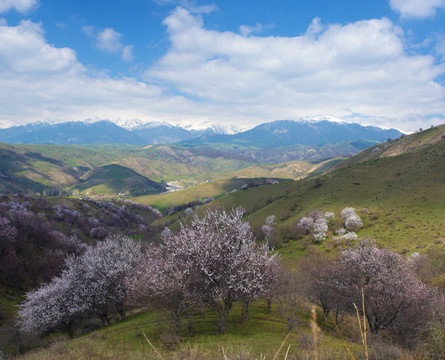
(289, 170)
(235, 180)
(396, 147)
(22, 170)
(35, 167)
(116, 179)
(214, 189)
(403, 194)
(260, 336)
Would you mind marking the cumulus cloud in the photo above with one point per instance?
(18, 5)
(39, 81)
(190, 6)
(109, 40)
(258, 28)
(359, 71)
(417, 8)
(358, 68)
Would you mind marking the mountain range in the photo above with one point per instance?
(268, 135)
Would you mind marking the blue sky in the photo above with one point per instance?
(234, 63)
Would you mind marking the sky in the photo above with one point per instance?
(228, 62)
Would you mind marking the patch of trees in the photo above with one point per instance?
(174, 209)
(318, 224)
(394, 298)
(36, 236)
(253, 184)
(32, 251)
(212, 262)
(90, 284)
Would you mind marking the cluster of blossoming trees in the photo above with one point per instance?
(214, 261)
(37, 235)
(319, 224)
(382, 281)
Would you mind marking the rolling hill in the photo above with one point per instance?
(117, 179)
(402, 194)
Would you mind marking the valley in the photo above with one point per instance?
(396, 187)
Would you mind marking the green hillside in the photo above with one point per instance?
(24, 171)
(261, 337)
(51, 169)
(116, 179)
(397, 146)
(402, 194)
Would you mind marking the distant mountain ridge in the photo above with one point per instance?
(268, 135)
(289, 132)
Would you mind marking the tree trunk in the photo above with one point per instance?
(326, 312)
(19, 342)
(177, 319)
(190, 326)
(245, 310)
(269, 304)
(121, 310)
(69, 329)
(222, 327)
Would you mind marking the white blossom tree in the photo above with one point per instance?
(53, 306)
(394, 297)
(223, 258)
(165, 282)
(92, 283)
(353, 222)
(102, 272)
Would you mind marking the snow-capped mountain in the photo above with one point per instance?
(305, 132)
(318, 130)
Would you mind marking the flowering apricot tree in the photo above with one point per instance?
(93, 283)
(394, 297)
(217, 261)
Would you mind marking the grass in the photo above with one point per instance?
(258, 338)
(112, 179)
(209, 189)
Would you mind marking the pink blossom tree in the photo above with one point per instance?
(102, 272)
(222, 255)
(92, 283)
(163, 282)
(53, 306)
(394, 297)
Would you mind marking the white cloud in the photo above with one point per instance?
(358, 68)
(19, 5)
(355, 71)
(189, 5)
(417, 8)
(247, 30)
(127, 53)
(89, 30)
(41, 82)
(440, 45)
(315, 27)
(109, 40)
